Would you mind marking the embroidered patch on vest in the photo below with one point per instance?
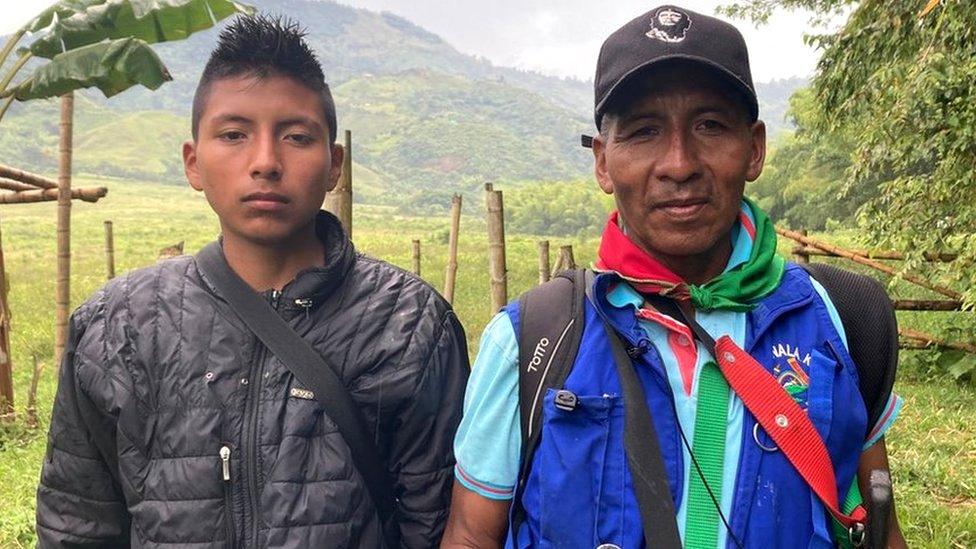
(791, 374)
(669, 25)
(301, 393)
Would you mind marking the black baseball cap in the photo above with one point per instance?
(671, 33)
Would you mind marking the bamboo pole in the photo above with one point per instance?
(926, 305)
(339, 200)
(416, 257)
(566, 260)
(31, 419)
(64, 225)
(544, 273)
(497, 272)
(27, 177)
(6, 363)
(936, 341)
(919, 281)
(450, 277)
(940, 257)
(16, 186)
(88, 194)
(109, 251)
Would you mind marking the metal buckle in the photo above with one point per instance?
(856, 534)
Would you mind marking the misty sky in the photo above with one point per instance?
(557, 37)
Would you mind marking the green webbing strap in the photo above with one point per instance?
(711, 419)
(841, 536)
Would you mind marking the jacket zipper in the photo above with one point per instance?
(228, 495)
(250, 431)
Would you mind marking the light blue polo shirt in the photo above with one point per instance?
(488, 442)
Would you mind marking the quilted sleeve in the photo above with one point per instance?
(423, 442)
(79, 500)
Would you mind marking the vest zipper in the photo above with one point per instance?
(250, 430)
(228, 496)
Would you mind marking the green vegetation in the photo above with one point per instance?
(896, 85)
(931, 447)
(573, 208)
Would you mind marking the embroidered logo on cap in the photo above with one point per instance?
(669, 25)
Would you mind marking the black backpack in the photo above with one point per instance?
(551, 325)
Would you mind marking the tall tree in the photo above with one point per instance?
(898, 82)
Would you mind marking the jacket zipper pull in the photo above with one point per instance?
(306, 304)
(275, 294)
(225, 461)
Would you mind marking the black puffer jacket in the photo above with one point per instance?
(160, 375)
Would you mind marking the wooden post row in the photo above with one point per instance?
(339, 200)
(416, 257)
(109, 251)
(544, 273)
(6, 364)
(565, 260)
(450, 277)
(64, 226)
(497, 271)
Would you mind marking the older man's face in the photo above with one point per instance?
(676, 161)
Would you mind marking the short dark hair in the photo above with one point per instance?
(263, 46)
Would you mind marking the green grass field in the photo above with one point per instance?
(932, 447)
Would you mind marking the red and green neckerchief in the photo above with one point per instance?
(736, 290)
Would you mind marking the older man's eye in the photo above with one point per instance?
(300, 138)
(711, 125)
(232, 135)
(642, 131)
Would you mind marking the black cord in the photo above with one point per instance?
(701, 475)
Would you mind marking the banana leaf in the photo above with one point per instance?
(149, 20)
(62, 9)
(112, 67)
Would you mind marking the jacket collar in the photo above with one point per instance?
(314, 285)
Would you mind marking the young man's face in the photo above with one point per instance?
(262, 157)
(676, 161)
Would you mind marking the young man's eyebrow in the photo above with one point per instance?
(224, 118)
(301, 121)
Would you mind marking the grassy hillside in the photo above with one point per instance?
(932, 447)
(427, 120)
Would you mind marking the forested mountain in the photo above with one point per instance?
(427, 120)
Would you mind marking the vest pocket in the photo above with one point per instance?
(820, 396)
(579, 473)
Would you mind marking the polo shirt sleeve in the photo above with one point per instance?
(895, 402)
(489, 440)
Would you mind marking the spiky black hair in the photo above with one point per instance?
(263, 46)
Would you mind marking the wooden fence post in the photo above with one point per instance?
(64, 226)
(799, 252)
(416, 257)
(31, 419)
(544, 273)
(339, 200)
(450, 277)
(565, 261)
(6, 363)
(496, 247)
(109, 251)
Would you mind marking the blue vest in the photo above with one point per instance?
(579, 492)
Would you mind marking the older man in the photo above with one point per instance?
(712, 401)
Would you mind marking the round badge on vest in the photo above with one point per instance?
(608, 546)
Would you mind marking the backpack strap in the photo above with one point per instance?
(869, 322)
(549, 332)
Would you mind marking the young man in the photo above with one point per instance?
(678, 139)
(174, 426)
